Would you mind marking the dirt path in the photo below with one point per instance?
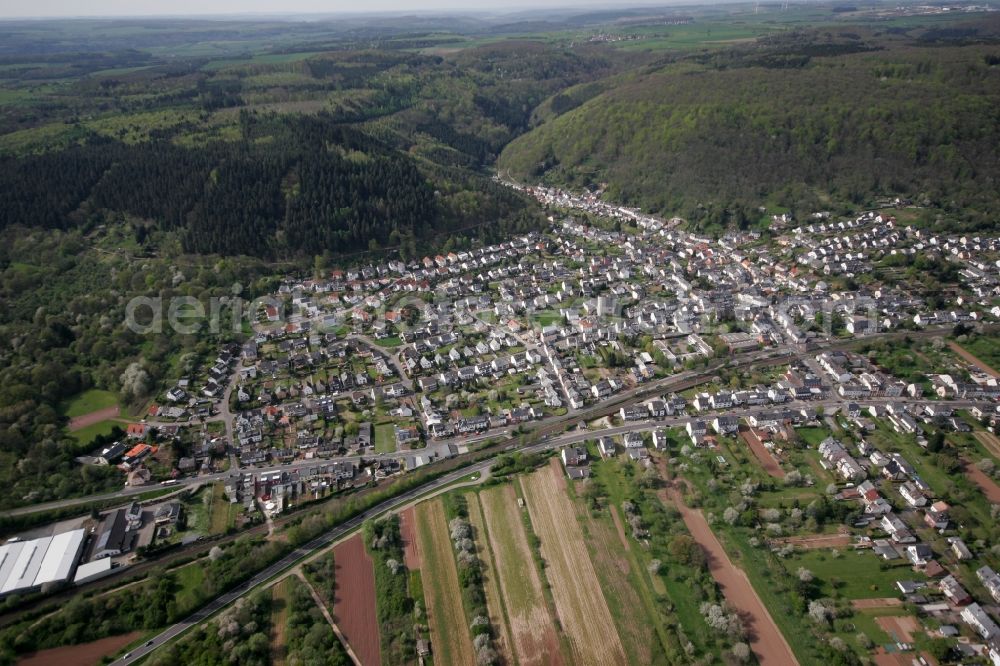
(329, 618)
(407, 532)
(985, 483)
(766, 459)
(354, 599)
(87, 654)
(961, 351)
(766, 641)
(84, 420)
(888, 602)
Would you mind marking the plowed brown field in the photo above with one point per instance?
(354, 600)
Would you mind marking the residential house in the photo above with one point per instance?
(990, 580)
(897, 529)
(575, 462)
(959, 549)
(977, 618)
(913, 496)
(633, 440)
(937, 515)
(954, 591)
(725, 425)
(696, 431)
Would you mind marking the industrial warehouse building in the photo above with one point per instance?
(27, 565)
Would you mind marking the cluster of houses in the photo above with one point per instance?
(276, 491)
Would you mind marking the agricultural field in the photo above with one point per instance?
(88, 434)
(210, 512)
(445, 615)
(491, 584)
(985, 349)
(534, 638)
(279, 622)
(628, 587)
(576, 589)
(354, 599)
(852, 574)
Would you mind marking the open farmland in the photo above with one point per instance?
(279, 622)
(445, 615)
(408, 533)
(989, 440)
(533, 633)
(354, 600)
(626, 587)
(575, 586)
(491, 586)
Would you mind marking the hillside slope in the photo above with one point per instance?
(806, 124)
(340, 152)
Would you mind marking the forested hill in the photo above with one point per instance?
(337, 152)
(291, 185)
(809, 121)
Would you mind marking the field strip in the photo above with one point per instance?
(986, 484)
(575, 587)
(532, 630)
(839, 540)
(887, 602)
(408, 533)
(494, 603)
(764, 457)
(354, 599)
(968, 356)
(84, 420)
(623, 582)
(329, 618)
(279, 622)
(989, 440)
(450, 637)
(766, 640)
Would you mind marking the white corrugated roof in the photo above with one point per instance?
(60, 557)
(8, 556)
(93, 569)
(27, 565)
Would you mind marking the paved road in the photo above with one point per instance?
(305, 551)
(678, 382)
(387, 353)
